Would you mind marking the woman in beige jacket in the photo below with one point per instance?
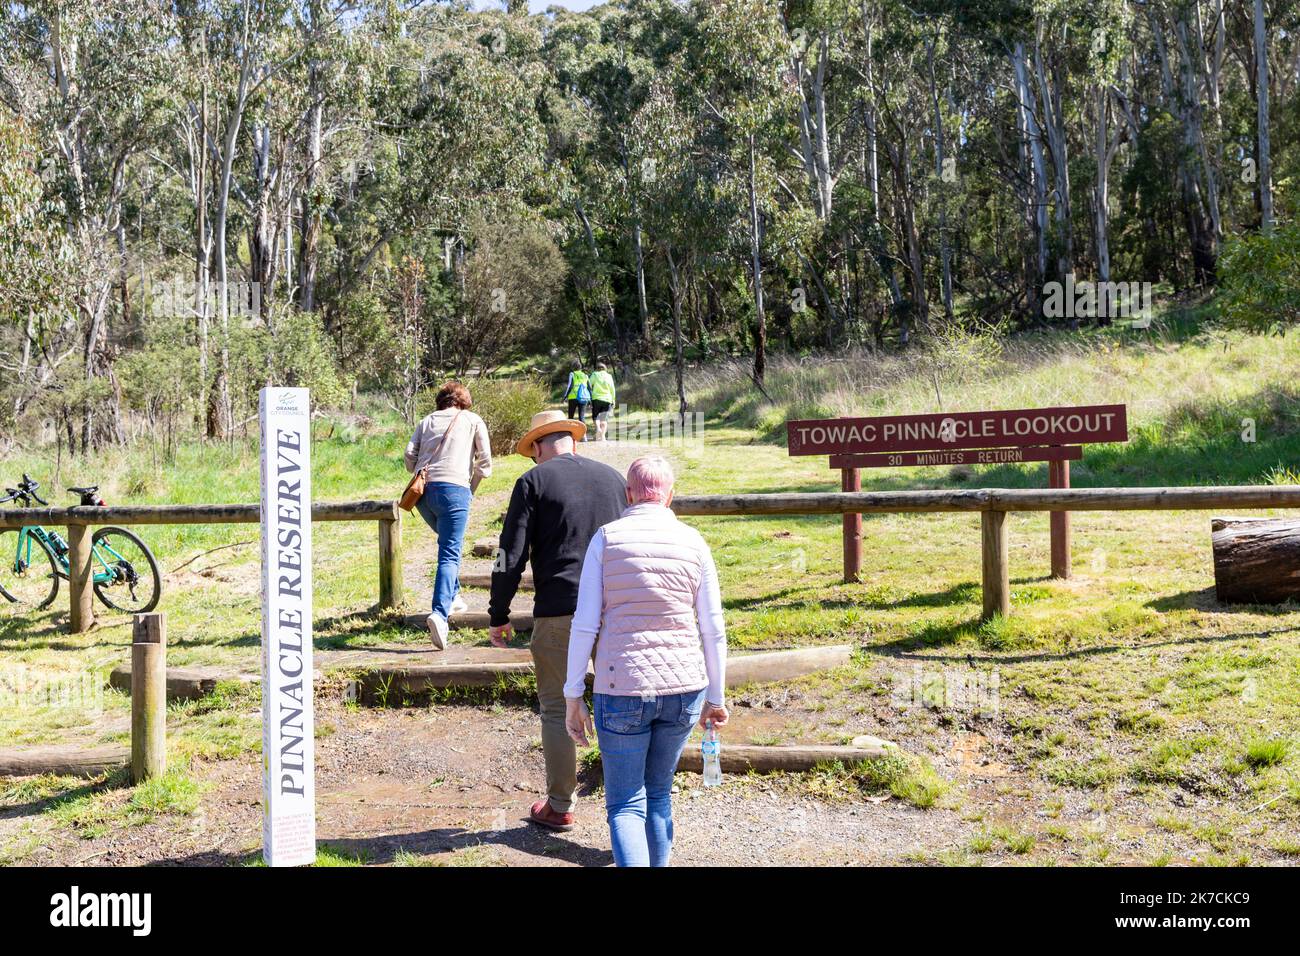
(450, 446)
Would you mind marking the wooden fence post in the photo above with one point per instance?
(997, 575)
(148, 696)
(851, 480)
(391, 585)
(81, 594)
(1058, 473)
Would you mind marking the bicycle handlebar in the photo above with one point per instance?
(26, 488)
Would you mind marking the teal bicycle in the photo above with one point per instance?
(33, 560)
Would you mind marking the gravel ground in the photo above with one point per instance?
(453, 784)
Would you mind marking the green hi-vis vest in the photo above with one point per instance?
(576, 380)
(602, 387)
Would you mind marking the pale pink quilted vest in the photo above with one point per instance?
(649, 641)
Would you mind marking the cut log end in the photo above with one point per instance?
(1256, 560)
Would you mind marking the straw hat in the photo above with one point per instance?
(548, 423)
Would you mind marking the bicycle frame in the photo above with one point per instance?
(27, 532)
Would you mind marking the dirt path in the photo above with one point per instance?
(452, 784)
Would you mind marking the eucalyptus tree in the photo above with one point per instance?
(744, 45)
(91, 81)
(587, 181)
(684, 218)
(32, 263)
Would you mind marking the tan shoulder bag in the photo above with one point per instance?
(415, 487)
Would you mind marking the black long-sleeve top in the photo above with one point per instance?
(555, 509)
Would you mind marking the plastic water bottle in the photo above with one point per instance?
(711, 748)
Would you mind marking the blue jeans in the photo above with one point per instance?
(445, 508)
(640, 743)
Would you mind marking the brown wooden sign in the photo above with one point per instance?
(1052, 435)
(959, 456)
(1069, 425)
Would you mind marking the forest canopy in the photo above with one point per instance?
(203, 196)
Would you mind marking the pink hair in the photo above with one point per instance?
(650, 479)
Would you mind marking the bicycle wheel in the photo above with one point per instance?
(29, 573)
(126, 574)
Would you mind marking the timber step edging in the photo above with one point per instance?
(475, 578)
(72, 761)
(470, 621)
(788, 758)
(398, 677)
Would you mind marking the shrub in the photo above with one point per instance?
(505, 405)
(1261, 280)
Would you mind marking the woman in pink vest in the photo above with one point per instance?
(648, 602)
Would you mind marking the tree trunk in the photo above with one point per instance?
(1054, 121)
(756, 267)
(945, 250)
(615, 328)
(675, 283)
(1036, 179)
(310, 222)
(220, 412)
(1265, 171)
(202, 247)
(643, 311)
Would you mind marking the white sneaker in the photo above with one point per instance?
(458, 604)
(437, 625)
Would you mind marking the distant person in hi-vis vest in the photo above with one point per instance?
(602, 398)
(577, 392)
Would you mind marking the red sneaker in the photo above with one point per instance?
(544, 815)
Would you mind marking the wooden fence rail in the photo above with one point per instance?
(79, 520)
(994, 504)
(994, 499)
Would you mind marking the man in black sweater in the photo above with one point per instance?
(555, 510)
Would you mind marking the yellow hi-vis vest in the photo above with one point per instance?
(576, 379)
(602, 387)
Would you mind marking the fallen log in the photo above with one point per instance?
(1256, 560)
(182, 683)
(742, 758)
(62, 760)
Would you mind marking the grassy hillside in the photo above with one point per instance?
(1188, 390)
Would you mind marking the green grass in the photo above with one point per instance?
(1127, 682)
(1267, 753)
(475, 856)
(910, 779)
(986, 841)
(97, 809)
